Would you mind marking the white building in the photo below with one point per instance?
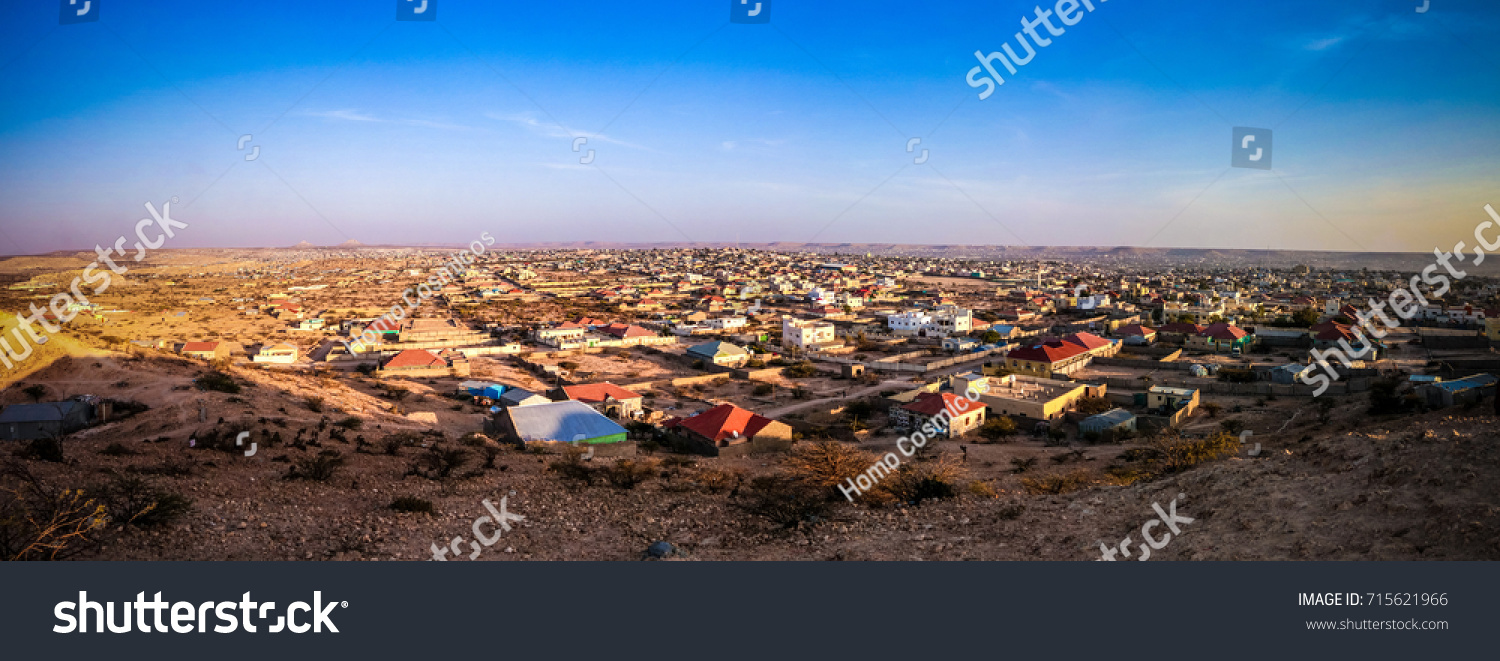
(724, 323)
(283, 353)
(908, 323)
(803, 334)
(946, 320)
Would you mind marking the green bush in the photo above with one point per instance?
(219, 382)
(800, 370)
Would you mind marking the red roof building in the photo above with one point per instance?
(415, 359)
(1222, 331)
(595, 393)
(725, 422)
(626, 331)
(1181, 328)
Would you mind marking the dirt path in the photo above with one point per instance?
(791, 408)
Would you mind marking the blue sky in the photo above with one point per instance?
(1385, 123)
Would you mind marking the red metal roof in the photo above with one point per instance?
(1087, 340)
(200, 346)
(722, 421)
(931, 403)
(416, 358)
(1222, 331)
(1047, 353)
(596, 392)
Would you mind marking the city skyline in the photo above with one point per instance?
(408, 133)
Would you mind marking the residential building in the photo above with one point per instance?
(607, 398)
(806, 334)
(1171, 400)
(205, 350)
(1054, 358)
(1027, 396)
(963, 416)
(720, 353)
(727, 429)
(283, 354)
(1459, 392)
(1136, 335)
(1111, 421)
(1221, 338)
(24, 422)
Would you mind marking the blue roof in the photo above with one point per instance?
(1112, 416)
(47, 412)
(1476, 381)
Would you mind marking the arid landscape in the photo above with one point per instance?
(357, 460)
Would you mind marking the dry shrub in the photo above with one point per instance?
(438, 463)
(826, 464)
(1060, 483)
(917, 481)
(982, 489)
(572, 467)
(318, 468)
(627, 473)
(1171, 453)
(716, 480)
(784, 501)
(39, 522)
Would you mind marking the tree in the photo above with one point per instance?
(35, 391)
(1093, 405)
(990, 337)
(1306, 317)
(998, 427)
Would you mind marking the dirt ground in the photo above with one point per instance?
(1421, 487)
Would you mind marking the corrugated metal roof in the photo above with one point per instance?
(47, 412)
(562, 421)
(1476, 381)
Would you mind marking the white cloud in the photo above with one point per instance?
(554, 130)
